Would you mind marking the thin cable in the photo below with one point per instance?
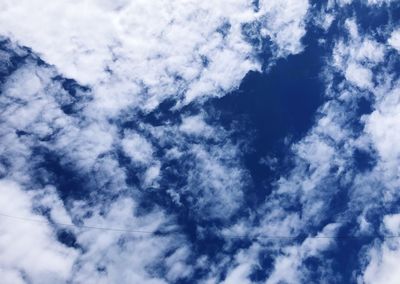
(125, 230)
(75, 225)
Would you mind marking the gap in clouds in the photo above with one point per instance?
(337, 257)
(277, 108)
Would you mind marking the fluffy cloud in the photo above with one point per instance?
(105, 129)
(34, 123)
(30, 251)
(394, 39)
(384, 255)
(137, 148)
(139, 52)
(285, 24)
(383, 127)
(325, 166)
(357, 61)
(195, 125)
(359, 76)
(287, 267)
(119, 256)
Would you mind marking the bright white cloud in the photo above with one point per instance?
(359, 76)
(384, 257)
(394, 40)
(218, 178)
(384, 126)
(285, 23)
(195, 125)
(140, 52)
(287, 267)
(30, 250)
(356, 57)
(115, 256)
(324, 161)
(244, 261)
(137, 148)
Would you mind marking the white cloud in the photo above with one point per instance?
(394, 40)
(369, 50)
(85, 143)
(344, 2)
(380, 2)
(218, 179)
(358, 75)
(244, 261)
(356, 57)
(326, 20)
(139, 53)
(85, 146)
(284, 23)
(324, 165)
(195, 125)
(384, 257)
(359, 58)
(29, 100)
(381, 133)
(30, 249)
(112, 256)
(287, 267)
(137, 148)
(384, 128)
(176, 262)
(135, 51)
(152, 174)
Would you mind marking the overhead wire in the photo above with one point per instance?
(135, 231)
(126, 230)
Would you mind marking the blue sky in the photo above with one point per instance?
(199, 142)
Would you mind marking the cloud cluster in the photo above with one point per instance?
(137, 53)
(36, 256)
(384, 255)
(51, 125)
(102, 125)
(345, 171)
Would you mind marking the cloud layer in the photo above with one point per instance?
(106, 122)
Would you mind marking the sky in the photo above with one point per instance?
(183, 141)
